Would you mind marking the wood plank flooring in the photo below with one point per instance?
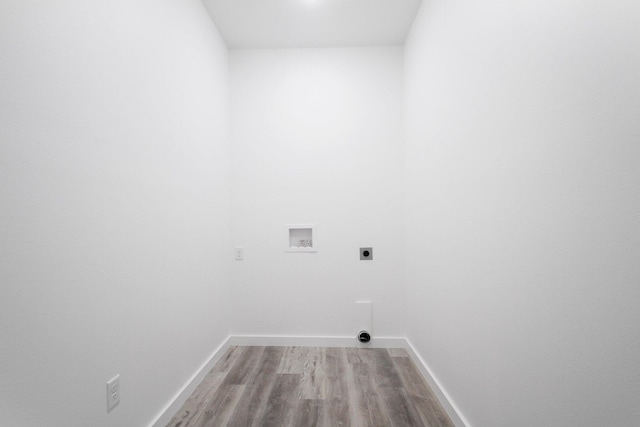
(304, 387)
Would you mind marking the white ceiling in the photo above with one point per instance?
(312, 23)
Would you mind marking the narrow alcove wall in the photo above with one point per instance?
(114, 207)
(317, 139)
(522, 201)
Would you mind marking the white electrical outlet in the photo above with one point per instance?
(239, 253)
(113, 392)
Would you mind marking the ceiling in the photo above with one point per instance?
(246, 24)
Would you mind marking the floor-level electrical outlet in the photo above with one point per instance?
(113, 392)
(239, 251)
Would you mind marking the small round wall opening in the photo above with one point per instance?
(364, 336)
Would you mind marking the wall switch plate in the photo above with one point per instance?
(239, 251)
(366, 254)
(113, 392)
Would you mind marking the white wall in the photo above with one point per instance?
(317, 139)
(114, 215)
(522, 198)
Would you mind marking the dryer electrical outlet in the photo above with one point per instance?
(366, 254)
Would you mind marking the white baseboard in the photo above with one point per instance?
(442, 396)
(305, 341)
(183, 394)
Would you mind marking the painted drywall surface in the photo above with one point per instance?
(523, 192)
(114, 216)
(316, 139)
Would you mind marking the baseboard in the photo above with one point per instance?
(319, 341)
(442, 396)
(183, 394)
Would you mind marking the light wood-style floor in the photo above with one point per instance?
(301, 386)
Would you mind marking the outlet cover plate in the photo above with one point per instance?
(113, 392)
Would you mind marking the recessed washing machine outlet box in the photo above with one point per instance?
(301, 238)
